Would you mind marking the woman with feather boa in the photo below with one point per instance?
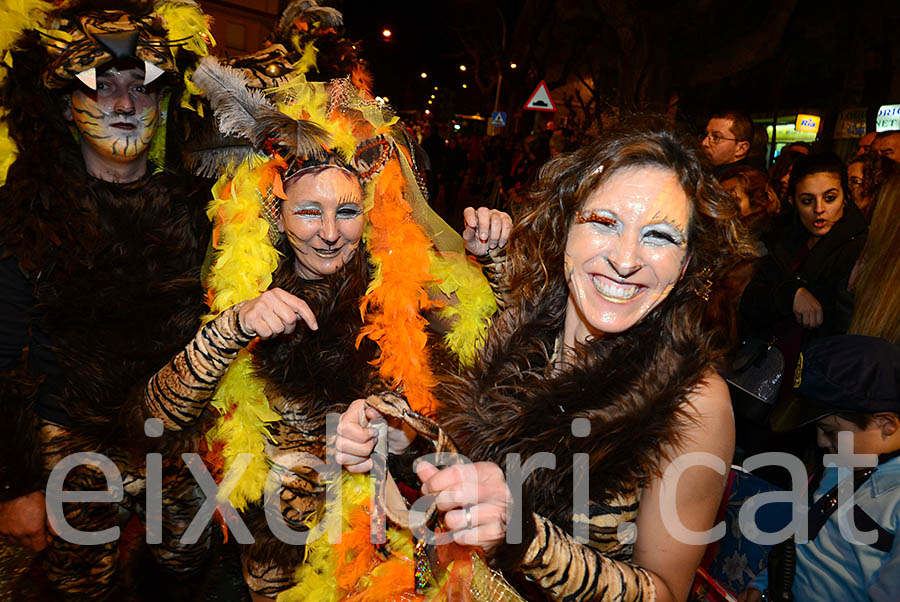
(602, 358)
(327, 266)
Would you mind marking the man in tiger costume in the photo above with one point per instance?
(102, 237)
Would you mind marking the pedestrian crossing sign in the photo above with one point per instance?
(498, 119)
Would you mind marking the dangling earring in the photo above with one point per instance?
(704, 288)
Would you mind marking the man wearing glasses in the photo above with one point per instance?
(726, 140)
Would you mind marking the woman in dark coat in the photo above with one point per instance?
(800, 291)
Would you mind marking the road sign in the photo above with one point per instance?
(498, 119)
(540, 99)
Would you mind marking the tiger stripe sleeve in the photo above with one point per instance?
(493, 266)
(178, 393)
(571, 572)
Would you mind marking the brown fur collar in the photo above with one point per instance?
(632, 393)
(321, 370)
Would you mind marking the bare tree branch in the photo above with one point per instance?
(744, 52)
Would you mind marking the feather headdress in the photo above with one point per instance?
(249, 123)
(308, 38)
(307, 14)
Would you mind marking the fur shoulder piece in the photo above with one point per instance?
(631, 394)
(321, 371)
(116, 276)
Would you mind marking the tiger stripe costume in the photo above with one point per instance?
(177, 395)
(514, 402)
(308, 375)
(90, 572)
(567, 570)
(105, 254)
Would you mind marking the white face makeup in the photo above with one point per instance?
(119, 118)
(626, 250)
(323, 220)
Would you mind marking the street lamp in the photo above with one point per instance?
(462, 67)
(465, 86)
(423, 75)
(386, 33)
(512, 65)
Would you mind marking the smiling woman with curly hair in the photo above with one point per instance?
(604, 357)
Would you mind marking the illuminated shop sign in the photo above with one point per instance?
(888, 118)
(851, 123)
(808, 123)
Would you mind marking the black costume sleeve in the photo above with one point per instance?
(831, 286)
(769, 297)
(20, 466)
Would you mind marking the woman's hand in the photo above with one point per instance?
(475, 497)
(273, 313)
(354, 443)
(24, 520)
(486, 229)
(807, 309)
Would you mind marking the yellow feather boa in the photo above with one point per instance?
(244, 262)
(349, 569)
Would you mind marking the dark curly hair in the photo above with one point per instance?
(876, 169)
(717, 240)
(809, 165)
(764, 202)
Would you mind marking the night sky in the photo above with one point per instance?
(830, 55)
(422, 40)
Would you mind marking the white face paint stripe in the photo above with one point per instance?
(88, 78)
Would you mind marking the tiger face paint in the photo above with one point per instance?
(116, 121)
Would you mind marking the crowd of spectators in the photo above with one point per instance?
(475, 169)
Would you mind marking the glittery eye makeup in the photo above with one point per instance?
(308, 211)
(657, 234)
(348, 208)
(592, 217)
(664, 233)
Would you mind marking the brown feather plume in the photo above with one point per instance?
(246, 114)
